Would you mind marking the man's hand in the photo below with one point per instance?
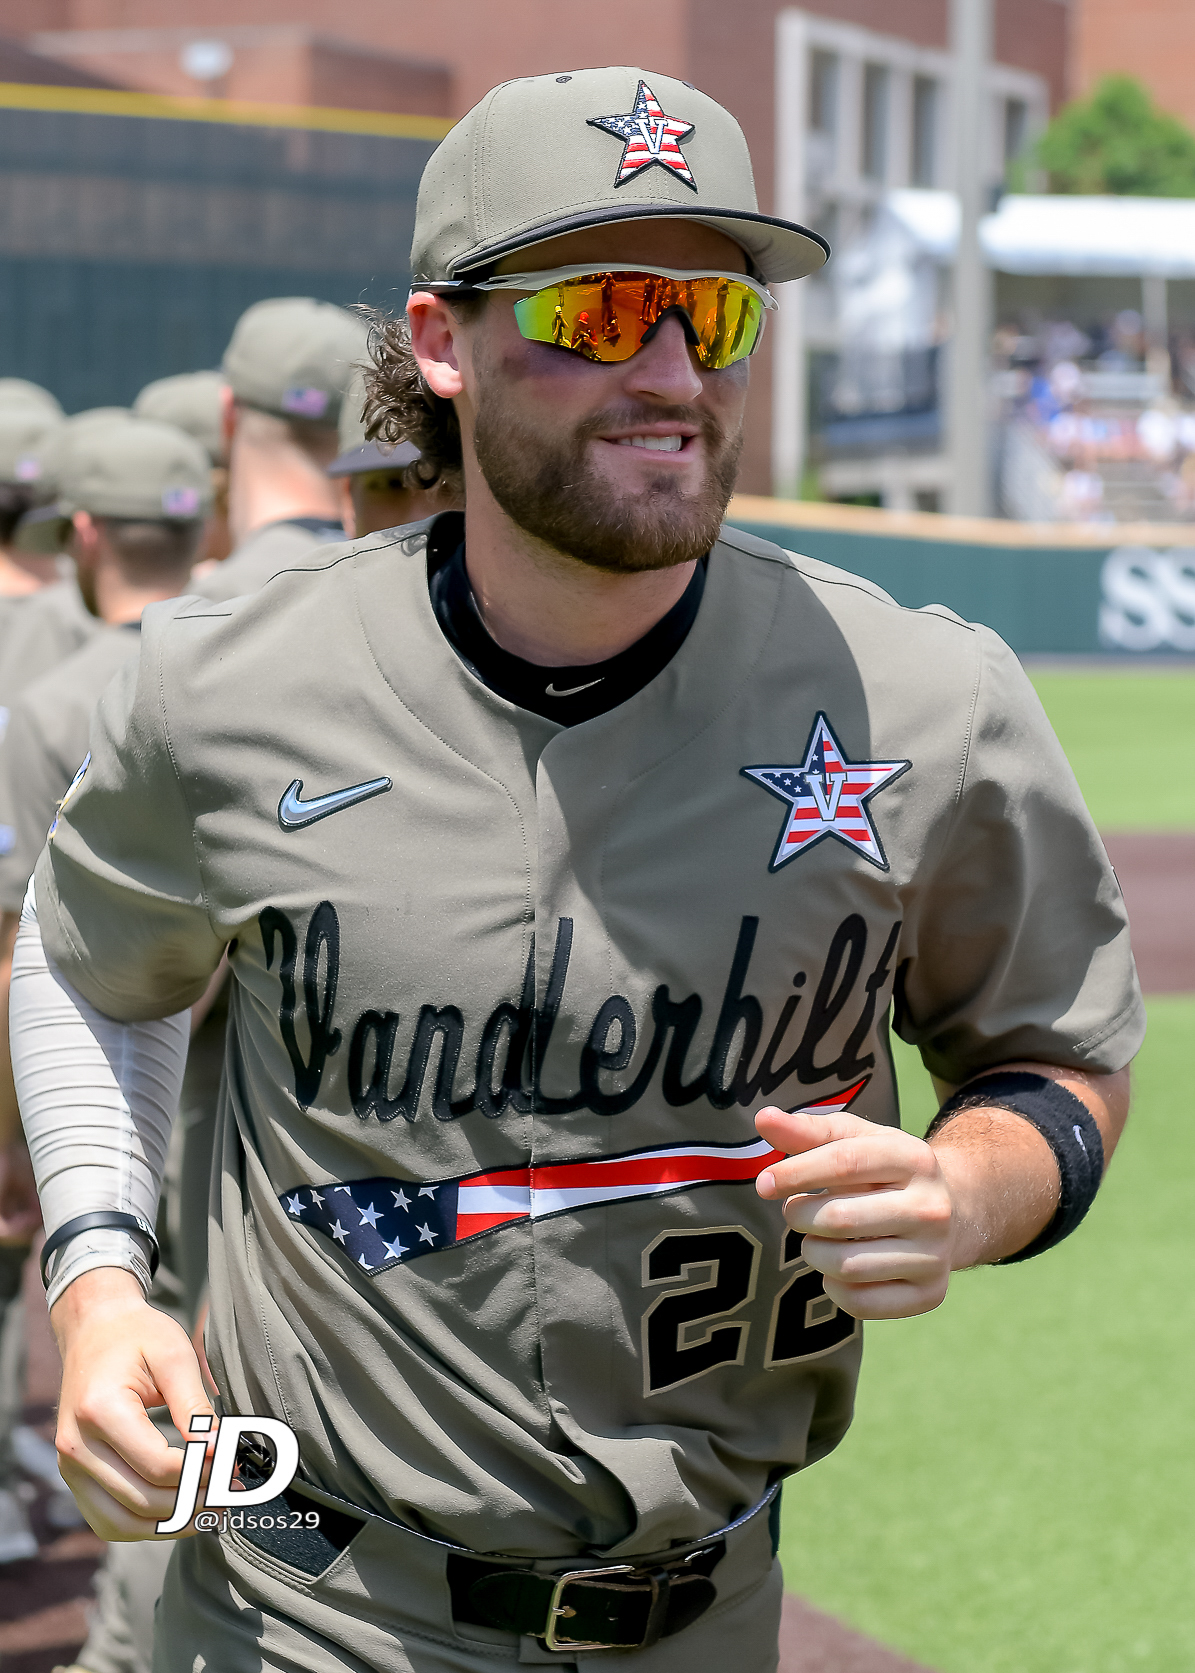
(876, 1208)
(887, 1217)
(120, 1355)
(20, 1212)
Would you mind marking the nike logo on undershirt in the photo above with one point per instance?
(294, 813)
(551, 691)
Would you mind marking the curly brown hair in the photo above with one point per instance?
(399, 406)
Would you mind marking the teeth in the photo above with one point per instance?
(655, 444)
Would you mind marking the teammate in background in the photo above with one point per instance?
(55, 621)
(36, 633)
(113, 485)
(380, 482)
(285, 372)
(194, 401)
(27, 416)
(549, 846)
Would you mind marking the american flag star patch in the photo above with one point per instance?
(827, 795)
(383, 1222)
(649, 136)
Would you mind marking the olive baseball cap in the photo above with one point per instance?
(43, 460)
(191, 402)
(552, 154)
(25, 428)
(293, 356)
(121, 467)
(358, 454)
(20, 392)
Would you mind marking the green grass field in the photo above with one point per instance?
(1017, 1494)
(1131, 740)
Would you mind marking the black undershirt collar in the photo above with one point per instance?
(570, 694)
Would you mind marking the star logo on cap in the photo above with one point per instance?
(649, 136)
(827, 796)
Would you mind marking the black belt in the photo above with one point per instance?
(629, 1606)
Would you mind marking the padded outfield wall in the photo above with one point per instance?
(1048, 589)
(135, 229)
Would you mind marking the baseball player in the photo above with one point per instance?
(57, 620)
(27, 415)
(194, 401)
(572, 857)
(112, 490)
(380, 484)
(37, 631)
(285, 371)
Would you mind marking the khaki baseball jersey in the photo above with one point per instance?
(507, 995)
(44, 746)
(36, 634)
(263, 553)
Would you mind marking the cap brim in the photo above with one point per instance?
(781, 250)
(374, 456)
(42, 530)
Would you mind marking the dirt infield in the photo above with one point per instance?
(43, 1602)
(1157, 875)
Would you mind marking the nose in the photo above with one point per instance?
(664, 370)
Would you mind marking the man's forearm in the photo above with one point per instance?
(97, 1098)
(1002, 1172)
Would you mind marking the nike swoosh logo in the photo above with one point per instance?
(551, 691)
(294, 813)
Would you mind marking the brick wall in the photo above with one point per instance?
(1153, 40)
(273, 64)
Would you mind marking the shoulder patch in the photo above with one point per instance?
(826, 795)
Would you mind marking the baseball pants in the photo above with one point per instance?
(384, 1606)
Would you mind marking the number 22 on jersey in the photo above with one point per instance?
(690, 1328)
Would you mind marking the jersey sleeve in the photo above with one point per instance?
(31, 786)
(120, 893)
(1017, 945)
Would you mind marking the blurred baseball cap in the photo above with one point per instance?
(191, 402)
(122, 467)
(551, 154)
(43, 459)
(20, 392)
(293, 356)
(25, 428)
(357, 453)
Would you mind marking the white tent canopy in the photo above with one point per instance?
(1072, 236)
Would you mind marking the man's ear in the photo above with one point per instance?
(228, 417)
(435, 336)
(85, 535)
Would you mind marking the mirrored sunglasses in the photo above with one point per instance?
(609, 316)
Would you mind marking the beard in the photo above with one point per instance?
(546, 484)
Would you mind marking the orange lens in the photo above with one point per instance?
(606, 316)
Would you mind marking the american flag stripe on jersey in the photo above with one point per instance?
(383, 1222)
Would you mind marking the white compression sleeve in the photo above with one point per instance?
(97, 1101)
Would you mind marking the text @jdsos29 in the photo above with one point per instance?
(228, 1504)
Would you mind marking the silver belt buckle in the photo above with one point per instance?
(558, 1611)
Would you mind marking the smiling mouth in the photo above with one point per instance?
(654, 444)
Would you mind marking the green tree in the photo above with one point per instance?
(1119, 142)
